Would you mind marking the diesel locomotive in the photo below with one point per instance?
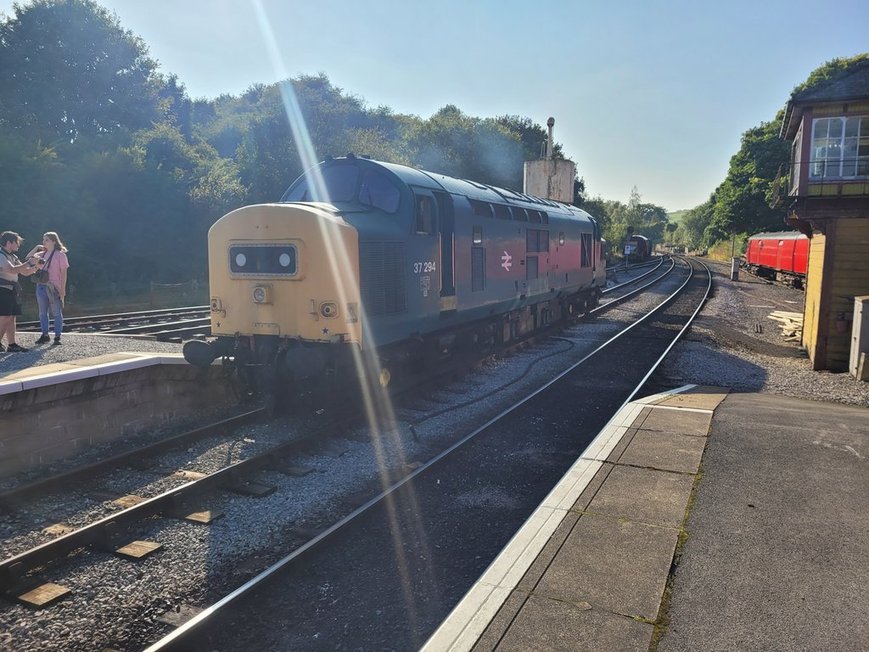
(638, 248)
(370, 265)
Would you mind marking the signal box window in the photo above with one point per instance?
(424, 215)
(840, 148)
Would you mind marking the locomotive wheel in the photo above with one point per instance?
(385, 377)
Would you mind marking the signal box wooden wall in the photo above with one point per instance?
(828, 200)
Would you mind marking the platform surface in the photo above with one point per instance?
(17, 380)
(697, 520)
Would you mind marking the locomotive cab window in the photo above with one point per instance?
(424, 215)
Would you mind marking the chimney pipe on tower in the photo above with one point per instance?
(549, 142)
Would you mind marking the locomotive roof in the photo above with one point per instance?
(779, 235)
(470, 189)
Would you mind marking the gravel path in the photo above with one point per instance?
(723, 349)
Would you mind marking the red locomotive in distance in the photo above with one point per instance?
(781, 257)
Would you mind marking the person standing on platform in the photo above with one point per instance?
(10, 290)
(51, 293)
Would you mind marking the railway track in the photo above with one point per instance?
(416, 517)
(165, 325)
(102, 534)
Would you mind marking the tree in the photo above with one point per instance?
(484, 150)
(532, 135)
(67, 69)
(742, 202)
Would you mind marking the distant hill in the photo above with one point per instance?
(676, 216)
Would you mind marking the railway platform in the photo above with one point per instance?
(59, 403)
(698, 519)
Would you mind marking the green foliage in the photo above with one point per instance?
(67, 69)
(97, 144)
(617, 219)
(452, 143)
(831, 70)
(742, 201)
(691, 230)
(741, 204)
(676, 217)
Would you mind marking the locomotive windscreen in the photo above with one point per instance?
(341, 182)
(344, 184)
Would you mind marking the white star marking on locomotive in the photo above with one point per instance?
(505, 261)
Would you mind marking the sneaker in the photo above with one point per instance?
(44, 339)
(16, 348)
(57, 340)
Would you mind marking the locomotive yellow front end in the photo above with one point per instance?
(284, 290)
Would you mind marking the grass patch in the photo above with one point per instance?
(662, 623)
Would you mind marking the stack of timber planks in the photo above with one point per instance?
(791, 324)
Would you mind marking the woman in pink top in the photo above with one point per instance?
(50, 295)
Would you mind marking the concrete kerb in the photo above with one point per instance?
(464, 626)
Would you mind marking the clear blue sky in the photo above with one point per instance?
(647, 94)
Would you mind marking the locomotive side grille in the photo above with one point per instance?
(478, 269)
(383, 272)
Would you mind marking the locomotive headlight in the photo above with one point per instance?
(240, 259)
(329, 309)
(262, 294)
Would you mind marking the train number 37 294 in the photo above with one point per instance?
(425, 267)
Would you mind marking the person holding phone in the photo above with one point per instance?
(10, 289)
(51, 292)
